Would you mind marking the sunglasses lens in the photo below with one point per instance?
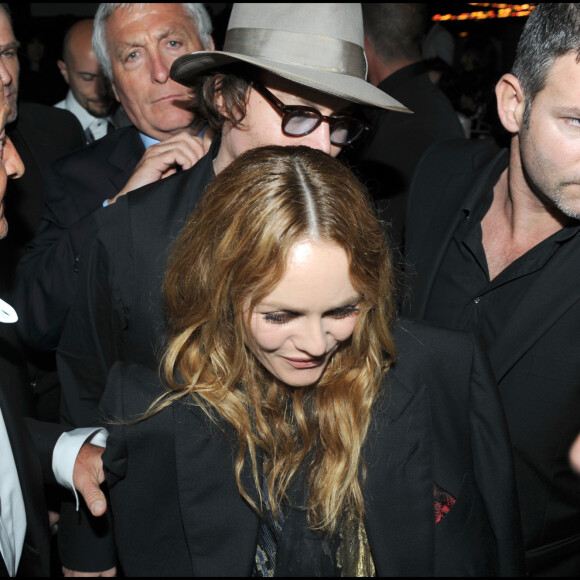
(299, 123)
(345, 130)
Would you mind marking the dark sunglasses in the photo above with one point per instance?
(299, 120)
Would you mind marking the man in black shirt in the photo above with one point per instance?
(493, 244)
(386, 158)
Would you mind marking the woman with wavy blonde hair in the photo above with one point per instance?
(286, 416)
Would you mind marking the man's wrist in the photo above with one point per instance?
(67, 449)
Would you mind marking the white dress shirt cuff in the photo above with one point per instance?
(66, 450)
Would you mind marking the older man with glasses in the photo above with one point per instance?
(289, 74)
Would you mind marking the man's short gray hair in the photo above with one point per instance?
(197, 13)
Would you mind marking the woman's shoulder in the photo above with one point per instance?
(130, 390)
(427, 354)
(417, 338)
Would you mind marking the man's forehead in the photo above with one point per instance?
(134, 31)
(564, 70)
(6, 33)
(172, 15)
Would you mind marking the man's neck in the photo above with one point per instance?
(379, 70)
(517, 220)
(194, 130)
(383, 70)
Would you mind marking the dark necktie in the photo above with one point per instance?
(89, 136)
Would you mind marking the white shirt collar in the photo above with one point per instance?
(85, 118)
(7, 313)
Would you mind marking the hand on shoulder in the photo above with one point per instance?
(182, 151)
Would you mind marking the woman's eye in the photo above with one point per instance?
(278, 317)
(344, 312)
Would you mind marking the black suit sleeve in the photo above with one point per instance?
(90, 341)
(47, 275)
(88, 348)
(76, 187)
(44, 436)
(493, 465)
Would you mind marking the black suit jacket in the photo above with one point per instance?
(535, 358)
(438, 420)
(41, 135)
(117, 314)
(77, 185)
(118, 311)
(29, 443)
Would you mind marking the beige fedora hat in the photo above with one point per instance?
(316, 45)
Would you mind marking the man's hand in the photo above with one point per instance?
(88, 474)
(163, 159)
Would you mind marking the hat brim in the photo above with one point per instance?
(350, 88)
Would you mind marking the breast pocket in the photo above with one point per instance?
(464, 541)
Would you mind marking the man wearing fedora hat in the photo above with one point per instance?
(289, 74)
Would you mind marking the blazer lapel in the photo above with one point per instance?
(427, 254)
(220, 527)
(125, 157)
(399, 457)
(554, 292)
(444, 209)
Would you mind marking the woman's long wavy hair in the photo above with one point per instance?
(230, 255)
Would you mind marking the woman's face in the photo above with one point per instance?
(298, 326)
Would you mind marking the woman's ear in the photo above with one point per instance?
(511, 102)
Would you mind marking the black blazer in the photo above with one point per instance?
(535, 359)
(118, 311)
(76, 186)
(117, 314)
(41, 135)
(27, 450)
(178, 512)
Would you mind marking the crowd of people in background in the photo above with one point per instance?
(289, 294)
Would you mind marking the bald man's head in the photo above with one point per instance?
(81, 70)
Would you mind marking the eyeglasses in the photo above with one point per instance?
(299, 120)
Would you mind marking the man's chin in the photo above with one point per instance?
(100, 112)
(12, 115)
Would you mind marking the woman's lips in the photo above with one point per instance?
(304, 363)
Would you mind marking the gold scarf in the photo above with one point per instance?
(354, 557)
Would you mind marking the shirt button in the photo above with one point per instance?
(476, 301)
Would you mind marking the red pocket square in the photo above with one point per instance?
(444, 501)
